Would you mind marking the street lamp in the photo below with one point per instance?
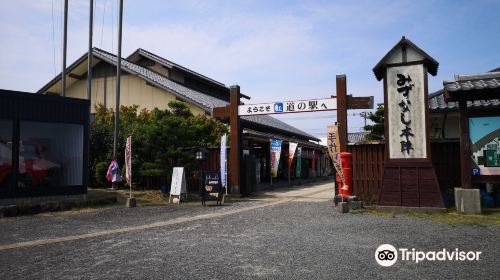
(200, 157)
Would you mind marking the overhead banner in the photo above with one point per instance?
(275, 156)
(223, 161)
(128, 161)
(333, 143)
(284, 107)
(299, 162)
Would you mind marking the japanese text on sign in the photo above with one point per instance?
(297, 106)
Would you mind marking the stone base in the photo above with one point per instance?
(467, 201)
(343, 207)
(131, 202)
(357, 204)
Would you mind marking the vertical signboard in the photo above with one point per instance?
(406, 112)
(178, 185)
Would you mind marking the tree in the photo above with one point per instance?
(161, 139)
(376, 131)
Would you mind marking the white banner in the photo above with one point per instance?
(291, 151)
(128, 161)
(283, 107)
(275, 156)
(223, 161)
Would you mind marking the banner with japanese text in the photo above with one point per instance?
(128, 161)
(299, 162)
(223, 161)
(291, 152)
(275, 156)
(333, 144)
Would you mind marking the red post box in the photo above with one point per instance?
(345, 164)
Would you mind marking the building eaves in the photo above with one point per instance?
(170, 64)
(431, 64)
(265, 120)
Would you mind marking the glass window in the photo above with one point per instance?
(5, 153)
(50, 154)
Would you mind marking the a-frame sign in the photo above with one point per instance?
(341, 102)
(409, 179)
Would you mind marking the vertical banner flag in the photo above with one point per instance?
(313, 164)
(128, 161)
(223, 161)
(299, 162)
(333, 143)
(275, 156)
(291, 152)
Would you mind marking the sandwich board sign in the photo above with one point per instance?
(178, 185)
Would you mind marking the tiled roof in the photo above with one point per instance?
(473, 82)
(206, 101)
(489, 80)
(437, 103)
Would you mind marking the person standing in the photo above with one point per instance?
(113, 174)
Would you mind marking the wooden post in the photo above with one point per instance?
(235, 152)
(465, 149)
(341, 82)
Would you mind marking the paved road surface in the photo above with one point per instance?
(286, 234)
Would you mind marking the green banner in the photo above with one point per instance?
(299, 162)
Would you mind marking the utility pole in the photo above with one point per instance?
(118, 72)
(365, 115)
(65, 41)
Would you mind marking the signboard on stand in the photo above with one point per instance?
(178, 185)
(212, 188)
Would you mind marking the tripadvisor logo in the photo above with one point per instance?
(387, 255)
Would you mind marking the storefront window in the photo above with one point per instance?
(5, 153)
(50, 154)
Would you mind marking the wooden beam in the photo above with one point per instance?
(235, 134)
(365, 102)
(465, 149)
(341, 82)
(221, 112)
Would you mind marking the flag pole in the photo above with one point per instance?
(118, 72)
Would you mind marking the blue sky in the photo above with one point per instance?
(275, 50)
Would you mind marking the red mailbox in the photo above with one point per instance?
(345, 164)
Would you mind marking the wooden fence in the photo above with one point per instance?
(368, 165)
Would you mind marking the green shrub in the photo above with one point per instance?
(100, 174)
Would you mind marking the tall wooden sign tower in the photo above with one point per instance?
(409, 178)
